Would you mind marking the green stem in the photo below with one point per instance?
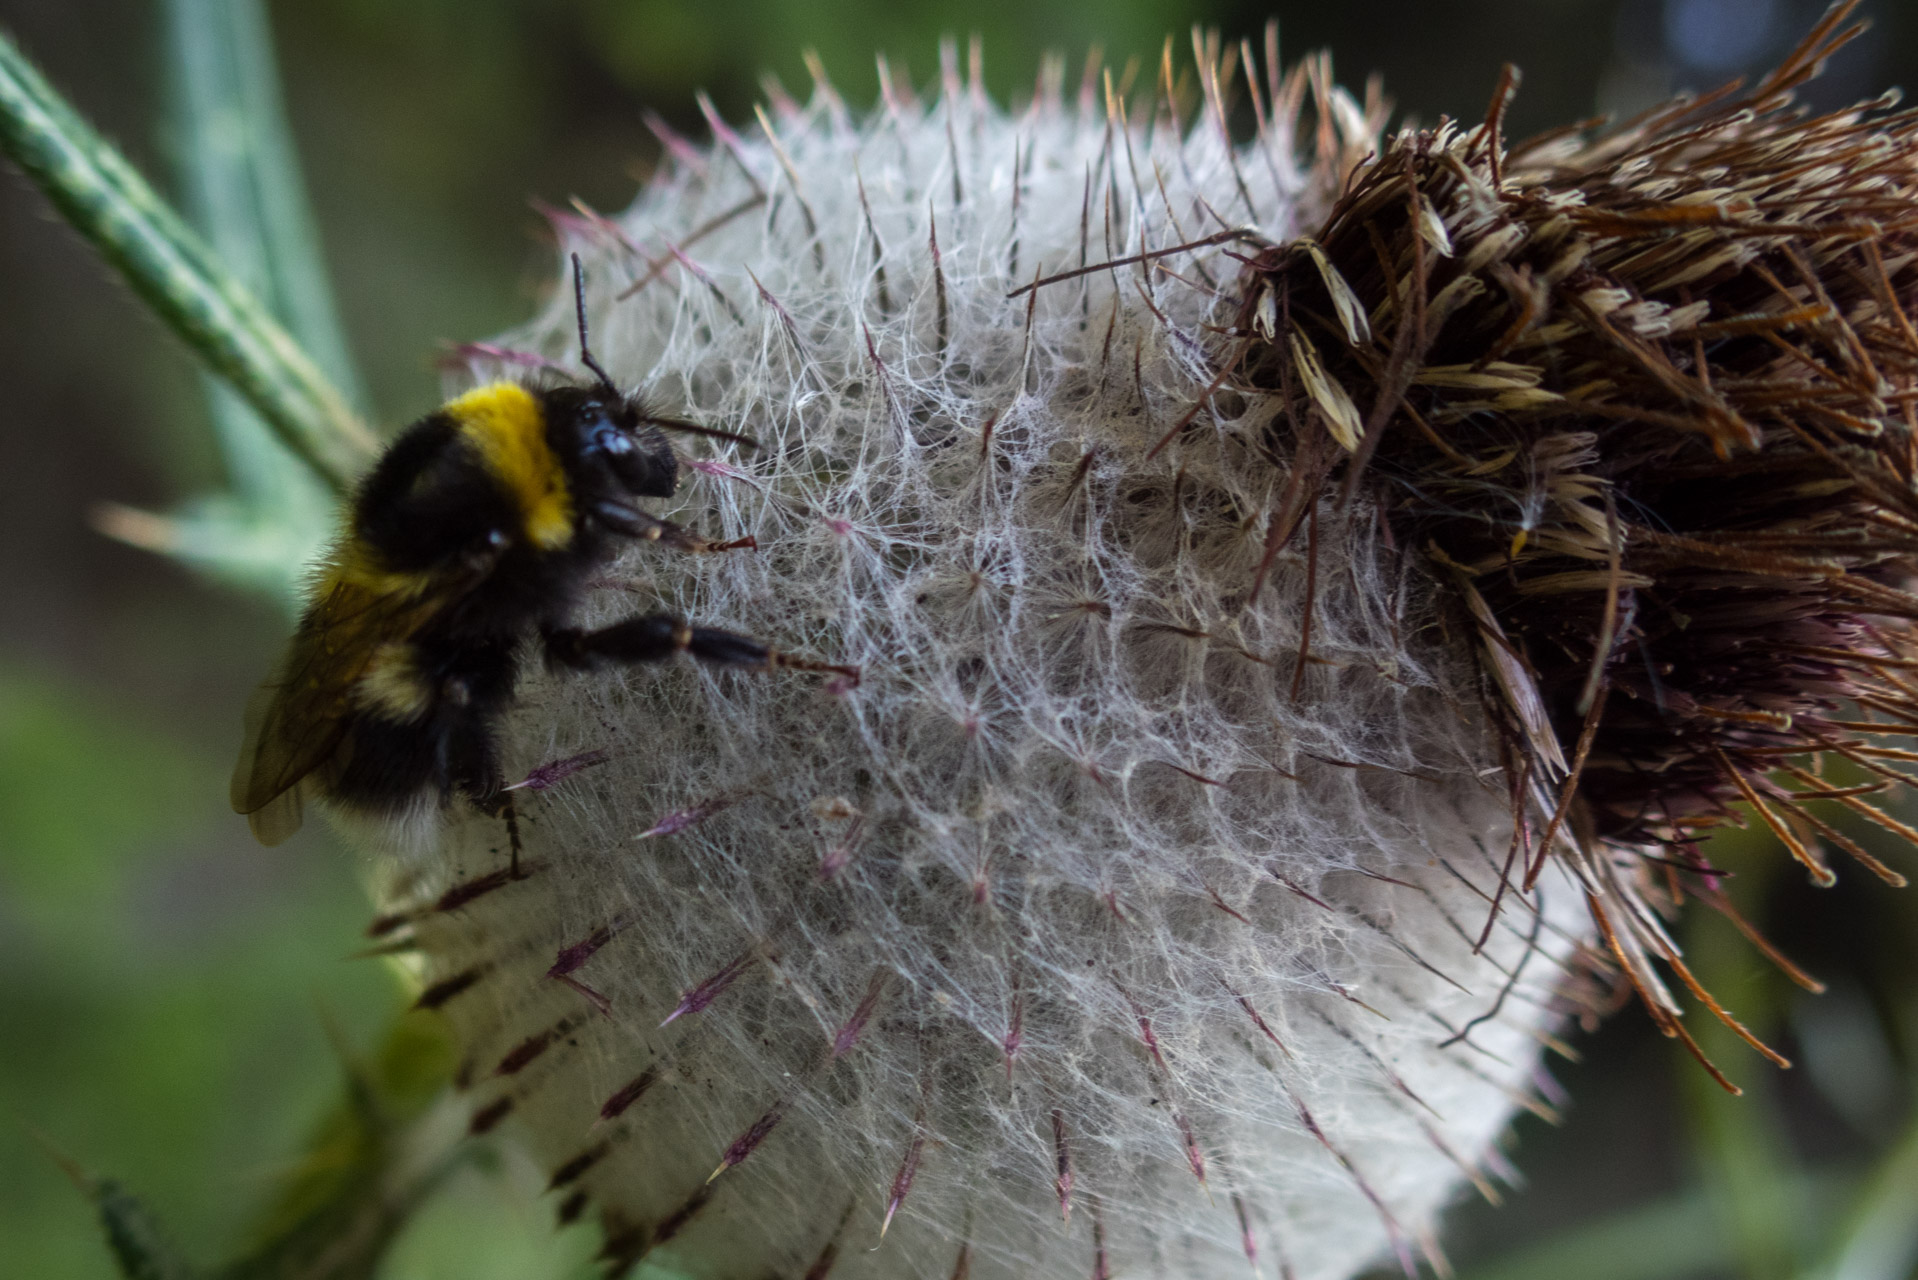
(1879, 1238)
(1744, 1156)
(241, 185)
(172, 270)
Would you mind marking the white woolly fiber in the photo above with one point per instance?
(1090, 933)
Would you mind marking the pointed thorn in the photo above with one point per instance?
(1062, 1183)
(1194, 1156)
(592, 997)
(902, 1181)
(632, 1092)
(554, 772)
(696, 999)
(572, 958)
(1246, 1241)
(526, 1051)
(848, 1033)
(1014, 1035)
(487, 1118)
(1259, 1021)
(746, 1143)
(679, 819)
(478, 887)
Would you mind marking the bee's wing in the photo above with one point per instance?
(279, 818)
(296, 722)
(275, 759)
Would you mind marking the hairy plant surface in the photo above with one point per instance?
(1290, 584)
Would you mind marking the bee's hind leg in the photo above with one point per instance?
(510, 812)
(498, 803)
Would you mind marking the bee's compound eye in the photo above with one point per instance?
(487, 549)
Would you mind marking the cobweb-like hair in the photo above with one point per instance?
(1132, 912)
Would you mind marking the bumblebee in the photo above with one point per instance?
(477, 530)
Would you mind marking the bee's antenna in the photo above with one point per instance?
(579, 307)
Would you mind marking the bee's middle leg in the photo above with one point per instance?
(655, 638)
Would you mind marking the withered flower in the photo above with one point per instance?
(1643, 403)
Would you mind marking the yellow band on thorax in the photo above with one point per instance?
(504, 422)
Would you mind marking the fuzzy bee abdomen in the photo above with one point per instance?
(393, 686)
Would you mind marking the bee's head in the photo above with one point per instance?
(614, 451)
(615, 448)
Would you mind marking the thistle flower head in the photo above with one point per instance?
(1249, 555)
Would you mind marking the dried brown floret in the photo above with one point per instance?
(1644, 401)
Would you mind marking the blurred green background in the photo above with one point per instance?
(165, 985)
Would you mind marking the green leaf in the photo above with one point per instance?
(139, 1248)
(1739, 1143)
(256, 546)
(173, 271)
(393, 1137)
(1878, 1239)
(1667, 1239)
(241, 182)
(242, 189)
(396, 1134)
